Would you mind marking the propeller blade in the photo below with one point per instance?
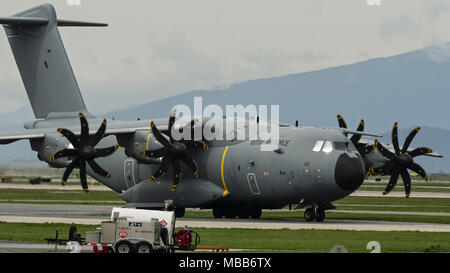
(409, 138)
(73, 139)
(189, 126)
(158, 135)
(95, 139)
(162, 168)
(190, 162)
(106, 151)
(420, 151)
(83, 178)
(64, 153)
(97, 169)
(395, 138)
(176, 173)
(369, 148)
(355, 138)
(384, 169)
(156, 153)
(406, 181)
(202, 144)
(341, 122)
(171, 122)
(84, 137)
(385, 152)
(392, 181)
(69, 170)
(419, 170)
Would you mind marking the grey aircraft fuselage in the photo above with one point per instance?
(242, 173)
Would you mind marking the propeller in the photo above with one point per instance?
(84, 151)
(401, 160)
(173, 151)
(362, 148)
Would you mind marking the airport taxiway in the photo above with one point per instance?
(93, 215)
(361, 193)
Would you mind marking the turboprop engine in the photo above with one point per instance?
(48, 146)
(142, 140)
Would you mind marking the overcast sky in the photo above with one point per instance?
(157, 48)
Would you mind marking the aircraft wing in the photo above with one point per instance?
(113, 128)
(7, 137)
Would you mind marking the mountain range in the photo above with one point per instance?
(411, 88)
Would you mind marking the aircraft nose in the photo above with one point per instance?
(349, 172)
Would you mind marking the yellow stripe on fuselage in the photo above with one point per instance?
(225, 193)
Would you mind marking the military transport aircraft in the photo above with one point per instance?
(310, 167)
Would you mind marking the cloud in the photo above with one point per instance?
(154, 49)
(10, 105)
(400, 27)
(128, 60)
(434, 9)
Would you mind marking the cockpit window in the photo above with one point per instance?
(327, 147)
(344, 146)
(318, 146)
(341, 146)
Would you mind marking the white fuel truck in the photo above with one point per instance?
(141, 231)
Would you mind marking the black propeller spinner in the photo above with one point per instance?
(173, 152)
(401, 161)
(84, 151)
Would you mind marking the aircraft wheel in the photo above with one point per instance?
(309, 215)
(218, 213)
(319, 215)
(255, 213)
(179, 212)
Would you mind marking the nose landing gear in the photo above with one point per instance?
(317, 212)
(312, 214)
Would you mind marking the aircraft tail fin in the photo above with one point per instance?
(42, 60)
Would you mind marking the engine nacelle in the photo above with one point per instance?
(50, 145)
(141, 140)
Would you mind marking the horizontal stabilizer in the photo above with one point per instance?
(25, 21)
(35, 21)
(66, 23)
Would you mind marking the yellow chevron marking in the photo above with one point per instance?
(148, 138)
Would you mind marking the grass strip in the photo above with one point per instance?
(256, 240)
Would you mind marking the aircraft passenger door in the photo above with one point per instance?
(128, 171)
